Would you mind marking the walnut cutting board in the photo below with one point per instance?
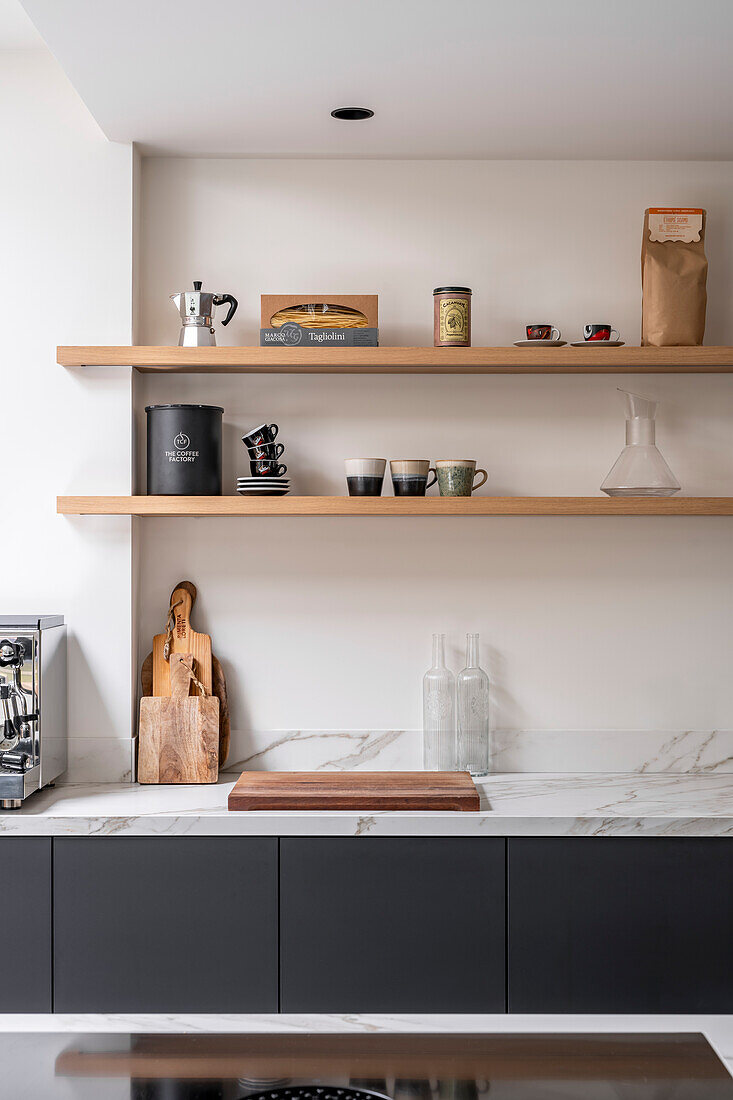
(178, 735)
(354, 791)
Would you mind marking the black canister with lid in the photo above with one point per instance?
(184, 450)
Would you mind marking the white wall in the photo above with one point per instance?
(325, 624)
(66, 232)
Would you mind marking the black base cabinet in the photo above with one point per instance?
(25, 889)
(165, 924)
(368, 924)
(392, 924)
(620, 925)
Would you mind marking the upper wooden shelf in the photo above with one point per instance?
(394, 506)
(386, 360)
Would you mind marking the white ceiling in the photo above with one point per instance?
(621, 79)
(16, 30)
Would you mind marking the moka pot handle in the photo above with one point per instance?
(220, 299)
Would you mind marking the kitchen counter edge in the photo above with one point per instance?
(666, 804)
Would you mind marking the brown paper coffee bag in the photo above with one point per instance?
(674, 272)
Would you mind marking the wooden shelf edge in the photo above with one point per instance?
(403, 360)
(234, 506)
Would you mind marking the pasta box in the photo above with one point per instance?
(319, 320)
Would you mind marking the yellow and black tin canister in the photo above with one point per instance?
(452, 317)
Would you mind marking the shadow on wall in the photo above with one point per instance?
(88, 712)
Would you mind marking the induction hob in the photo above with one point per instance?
(200, 1066)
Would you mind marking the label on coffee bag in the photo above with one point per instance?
(675, 224)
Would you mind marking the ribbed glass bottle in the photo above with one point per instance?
(439, 712)
(472, 695)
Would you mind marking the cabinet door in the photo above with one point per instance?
(165, 924)
(25, 888)
(392, 925)
(620, 925)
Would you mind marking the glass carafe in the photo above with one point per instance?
(472, 693)
(439, 712)
(640, 470)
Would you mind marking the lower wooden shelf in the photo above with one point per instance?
(393, 506)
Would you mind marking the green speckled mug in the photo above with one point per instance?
(456, 476)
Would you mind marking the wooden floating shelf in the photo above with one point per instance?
(389, 360)
(394, 506)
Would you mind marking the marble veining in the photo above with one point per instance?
(111, 760)
(512, 750)
(567, 804)
(321, 750)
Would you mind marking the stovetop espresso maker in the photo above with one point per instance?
(196, 308)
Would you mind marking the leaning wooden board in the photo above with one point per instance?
(354, 791)
(218, 689)
(179, 733)
(184, 640)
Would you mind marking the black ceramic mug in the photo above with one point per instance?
(264, 467)
(264, 433)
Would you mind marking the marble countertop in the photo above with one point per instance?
(717, 1029)
(511, 805)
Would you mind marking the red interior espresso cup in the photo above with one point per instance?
(542, 332)
(599, 332)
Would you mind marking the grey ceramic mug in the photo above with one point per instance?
(457, 476)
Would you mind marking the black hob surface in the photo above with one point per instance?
(361, 1067)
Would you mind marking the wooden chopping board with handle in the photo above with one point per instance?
(354, 791)
(184, 640)
(179, 734)
(218, 689)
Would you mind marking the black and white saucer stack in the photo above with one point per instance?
(267, 472)
(263, 486)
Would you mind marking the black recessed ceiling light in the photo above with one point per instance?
(352, 113)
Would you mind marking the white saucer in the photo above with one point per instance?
(265, 491)
(597, 343)
(262, 480)
(539, 343)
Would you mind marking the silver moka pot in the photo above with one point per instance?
(196, 308)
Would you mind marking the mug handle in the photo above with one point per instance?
(432, 471)
(552, 333)
(282, 469)
(272, 431)
(616, 337)
(279, 451)
(486, 478)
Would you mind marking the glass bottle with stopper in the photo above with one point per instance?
(640, 470)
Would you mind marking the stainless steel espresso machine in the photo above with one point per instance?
(32, 704)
